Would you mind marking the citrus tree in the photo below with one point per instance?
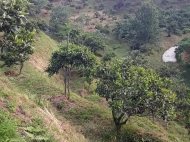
(133, 90)
(70, 58)
(16, 43)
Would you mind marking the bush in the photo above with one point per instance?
(102, 18)
(102, 29)
(113, 11)
(37, 24)
(183, 51)
(97, 14)
(147, 48)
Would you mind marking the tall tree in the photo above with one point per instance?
(146, 23)
(143, 28)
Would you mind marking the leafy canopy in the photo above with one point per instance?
(59, 17)
(13, 15)
(133, 90)
(142, 29)
(16, 43)
(94, 41)
(183, 50)
(73, 57)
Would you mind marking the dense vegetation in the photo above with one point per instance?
(153, 97)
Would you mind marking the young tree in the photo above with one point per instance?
(133, 90)
(16, 44)
(68, 59)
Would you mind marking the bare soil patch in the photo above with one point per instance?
(82, 92)
(11, 73)
(22, 115)
(2, 104)
(74, 74)
(38, 63)
(185, 57)
(61, 99)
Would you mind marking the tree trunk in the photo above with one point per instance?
(21, 67)
(118, 131)
(68, 84)
(65, 81)
(153, 116)
(169, 33)
(66, 68)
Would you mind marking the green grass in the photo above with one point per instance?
(87, 117)
(122, 48)
(36, 83)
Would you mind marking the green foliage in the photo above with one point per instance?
(94, 41)
(10, 106)
(83, 20)
(38, 5)
(97, 14)
(142, 29)
(175, 21)
(138, 59)
(108, 56)
(13, 15)
(167, 71)
(17, 40)
(102, 29)
(133, 90)
(71, 58)
(183, 103)
(18, 49)
(36, 132)
(37, 23)
(59, 17)
(75, 56)
(183, 50)
(8, 128)
(129, 134)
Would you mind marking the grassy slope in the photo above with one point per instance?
(80, 119)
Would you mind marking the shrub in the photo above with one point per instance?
(97, 14)
(113, 11)
(102, 29)
(183, 51)
(102, 18)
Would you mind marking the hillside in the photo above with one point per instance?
(35, 105)
(34, 94)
